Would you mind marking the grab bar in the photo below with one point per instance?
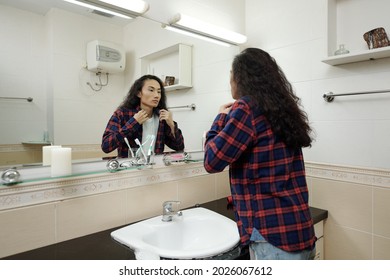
(329, 96)
(29, 99)
(191, 106)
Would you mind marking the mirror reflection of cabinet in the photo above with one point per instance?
(173, 61)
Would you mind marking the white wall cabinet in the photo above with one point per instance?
(353, 30)
(174, 61)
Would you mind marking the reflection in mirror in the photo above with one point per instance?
(143, 122)
(44, 57)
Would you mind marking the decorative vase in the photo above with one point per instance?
(341, 50)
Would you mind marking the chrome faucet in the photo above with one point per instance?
(168, 211)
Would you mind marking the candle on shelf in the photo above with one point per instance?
(61, 162)
(46, 154)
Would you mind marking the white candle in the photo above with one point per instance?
(61, 162)
(46, 154)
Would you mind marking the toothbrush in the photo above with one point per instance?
(128, 145)
(150, 147)
(142, 150)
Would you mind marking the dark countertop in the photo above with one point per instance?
(100, 246)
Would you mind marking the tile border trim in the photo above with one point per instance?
(350, 174)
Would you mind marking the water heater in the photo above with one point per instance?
(105, 57)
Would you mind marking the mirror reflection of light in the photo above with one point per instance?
(203, 28)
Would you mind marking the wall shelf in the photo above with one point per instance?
(358, 56)
(174, 61)
(36, 143)
(333, 41)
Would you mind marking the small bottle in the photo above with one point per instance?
(45, 136)
(341, 50)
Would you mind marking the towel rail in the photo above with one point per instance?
(29, 99)
(191, 106)
(330, 96)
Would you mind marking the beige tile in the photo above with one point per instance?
(85, 215)
(349, 205)
(309, 182)
(381, 248)
(146, 201)
(381, 212)
(196, 190)
(222, 184)
(346, 244)
(26, 228)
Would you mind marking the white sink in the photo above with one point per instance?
(198, 233)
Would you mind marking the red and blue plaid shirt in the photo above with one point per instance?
(123, 124)
(267, 179)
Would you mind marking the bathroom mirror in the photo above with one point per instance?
(44, 56)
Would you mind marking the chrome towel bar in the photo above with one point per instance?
(29, 99)
(329, 96)
(191, 106)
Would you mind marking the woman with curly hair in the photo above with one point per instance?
(143, 115)
(260, 137)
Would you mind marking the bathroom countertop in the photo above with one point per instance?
(100, 246)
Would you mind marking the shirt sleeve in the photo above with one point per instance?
(229, 136)
(176, 141)
(115, 132)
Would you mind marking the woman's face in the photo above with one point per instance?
(150, 94)
(233, 86)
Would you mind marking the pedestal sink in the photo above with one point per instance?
(197, 233)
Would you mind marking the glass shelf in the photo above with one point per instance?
(36, 143)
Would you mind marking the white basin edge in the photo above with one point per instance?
(137, 243)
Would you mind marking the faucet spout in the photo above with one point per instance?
(168, 211)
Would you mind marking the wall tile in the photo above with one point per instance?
(222, 184)
(349, 205)
(145, 202)
(381, 248)
(343, 243)
(196, 190)
(27, 228)
(82, 216)
(381, 210)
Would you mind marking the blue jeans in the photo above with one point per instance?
(262, 250)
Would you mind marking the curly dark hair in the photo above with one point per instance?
(257, 75)
(131, 100)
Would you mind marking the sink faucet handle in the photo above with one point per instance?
(168, 211)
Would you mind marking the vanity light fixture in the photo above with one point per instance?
(120, 8)
(204, 29)
(195, 35)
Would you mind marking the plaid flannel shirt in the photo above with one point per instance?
(267, 179)
(123, 124)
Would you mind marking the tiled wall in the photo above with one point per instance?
(29, 227)
(356, 199)
(359, 210)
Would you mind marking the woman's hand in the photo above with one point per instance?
(141, 116)
(225, 109)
